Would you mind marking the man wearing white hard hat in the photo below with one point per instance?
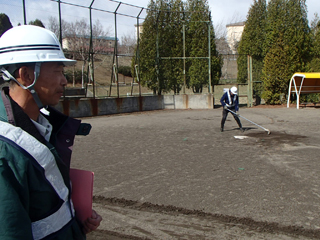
(230, 101)
(36, 140)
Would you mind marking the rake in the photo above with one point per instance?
(267, 130)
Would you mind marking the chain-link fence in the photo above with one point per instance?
(249, 94)
(229, 69)
(108, 84)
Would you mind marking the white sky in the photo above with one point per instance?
(223, 12)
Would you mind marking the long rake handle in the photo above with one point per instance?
(250, 121)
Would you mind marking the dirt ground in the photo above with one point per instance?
(172, 174)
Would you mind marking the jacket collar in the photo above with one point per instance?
(11, 112)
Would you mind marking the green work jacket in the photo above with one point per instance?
(34, 176)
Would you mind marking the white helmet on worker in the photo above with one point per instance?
(234, 90)
(28, 44)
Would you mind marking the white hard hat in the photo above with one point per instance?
(234, 90)
(30, 44)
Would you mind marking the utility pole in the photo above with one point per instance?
(24, 12)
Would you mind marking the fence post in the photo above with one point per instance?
(250, 87)
(184, 58)
(209, 53)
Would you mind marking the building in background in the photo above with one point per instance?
(101, 44)
(234, 33)
(136, 30)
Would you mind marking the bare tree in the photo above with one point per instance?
(220, 29)
(315, 24)
(76, 39)
(128, 44)
(221, 38)
(54, 26)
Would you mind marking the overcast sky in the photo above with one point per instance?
(223, 12)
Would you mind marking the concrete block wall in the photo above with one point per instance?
(197, 101)
(85, 107)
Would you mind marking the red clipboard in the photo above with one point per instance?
(82, 191)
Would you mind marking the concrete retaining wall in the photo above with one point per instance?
(197, 101)
(84, 107)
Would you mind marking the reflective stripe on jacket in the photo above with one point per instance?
(229, 101)
(232, 102)
(46, 160)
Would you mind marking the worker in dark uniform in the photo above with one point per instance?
(230, 101)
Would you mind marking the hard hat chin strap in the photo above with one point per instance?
(7, 76)
(31, 87)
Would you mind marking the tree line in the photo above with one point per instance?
(161, 47)
(162, 37)
(277, 36)
(281, 42)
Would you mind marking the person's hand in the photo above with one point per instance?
(225, 107)
(237, 114)
(92, 223)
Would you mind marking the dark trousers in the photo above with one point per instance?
(224, 117)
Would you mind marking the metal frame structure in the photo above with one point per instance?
(250, 82)
(185, 58)
(303, 83)
(114, 74)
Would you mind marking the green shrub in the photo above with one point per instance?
(310, 98)
(125, 70)
(77, 74)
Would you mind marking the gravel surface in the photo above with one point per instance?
(172, 174)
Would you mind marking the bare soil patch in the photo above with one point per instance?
(173, 175)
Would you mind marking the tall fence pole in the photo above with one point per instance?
(138, 55)
(209, 54)
(24, 12)
(184, 59)
(91, 60)
(116, 48)
(60, 24)
(251, 83)
(250, 86)
(114, 73)
(157, 57)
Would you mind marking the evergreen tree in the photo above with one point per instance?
(148, 76)
(275, 69)
(5, 23)
(287, 30)
(37, 22)
(174, 72)
(314, 65)
(198, 46)
(216, 59)
(162, 39)
(252, 41)
(275, 24)
(297, 36)
(275, 75)
(155, 43)
(165, 43)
